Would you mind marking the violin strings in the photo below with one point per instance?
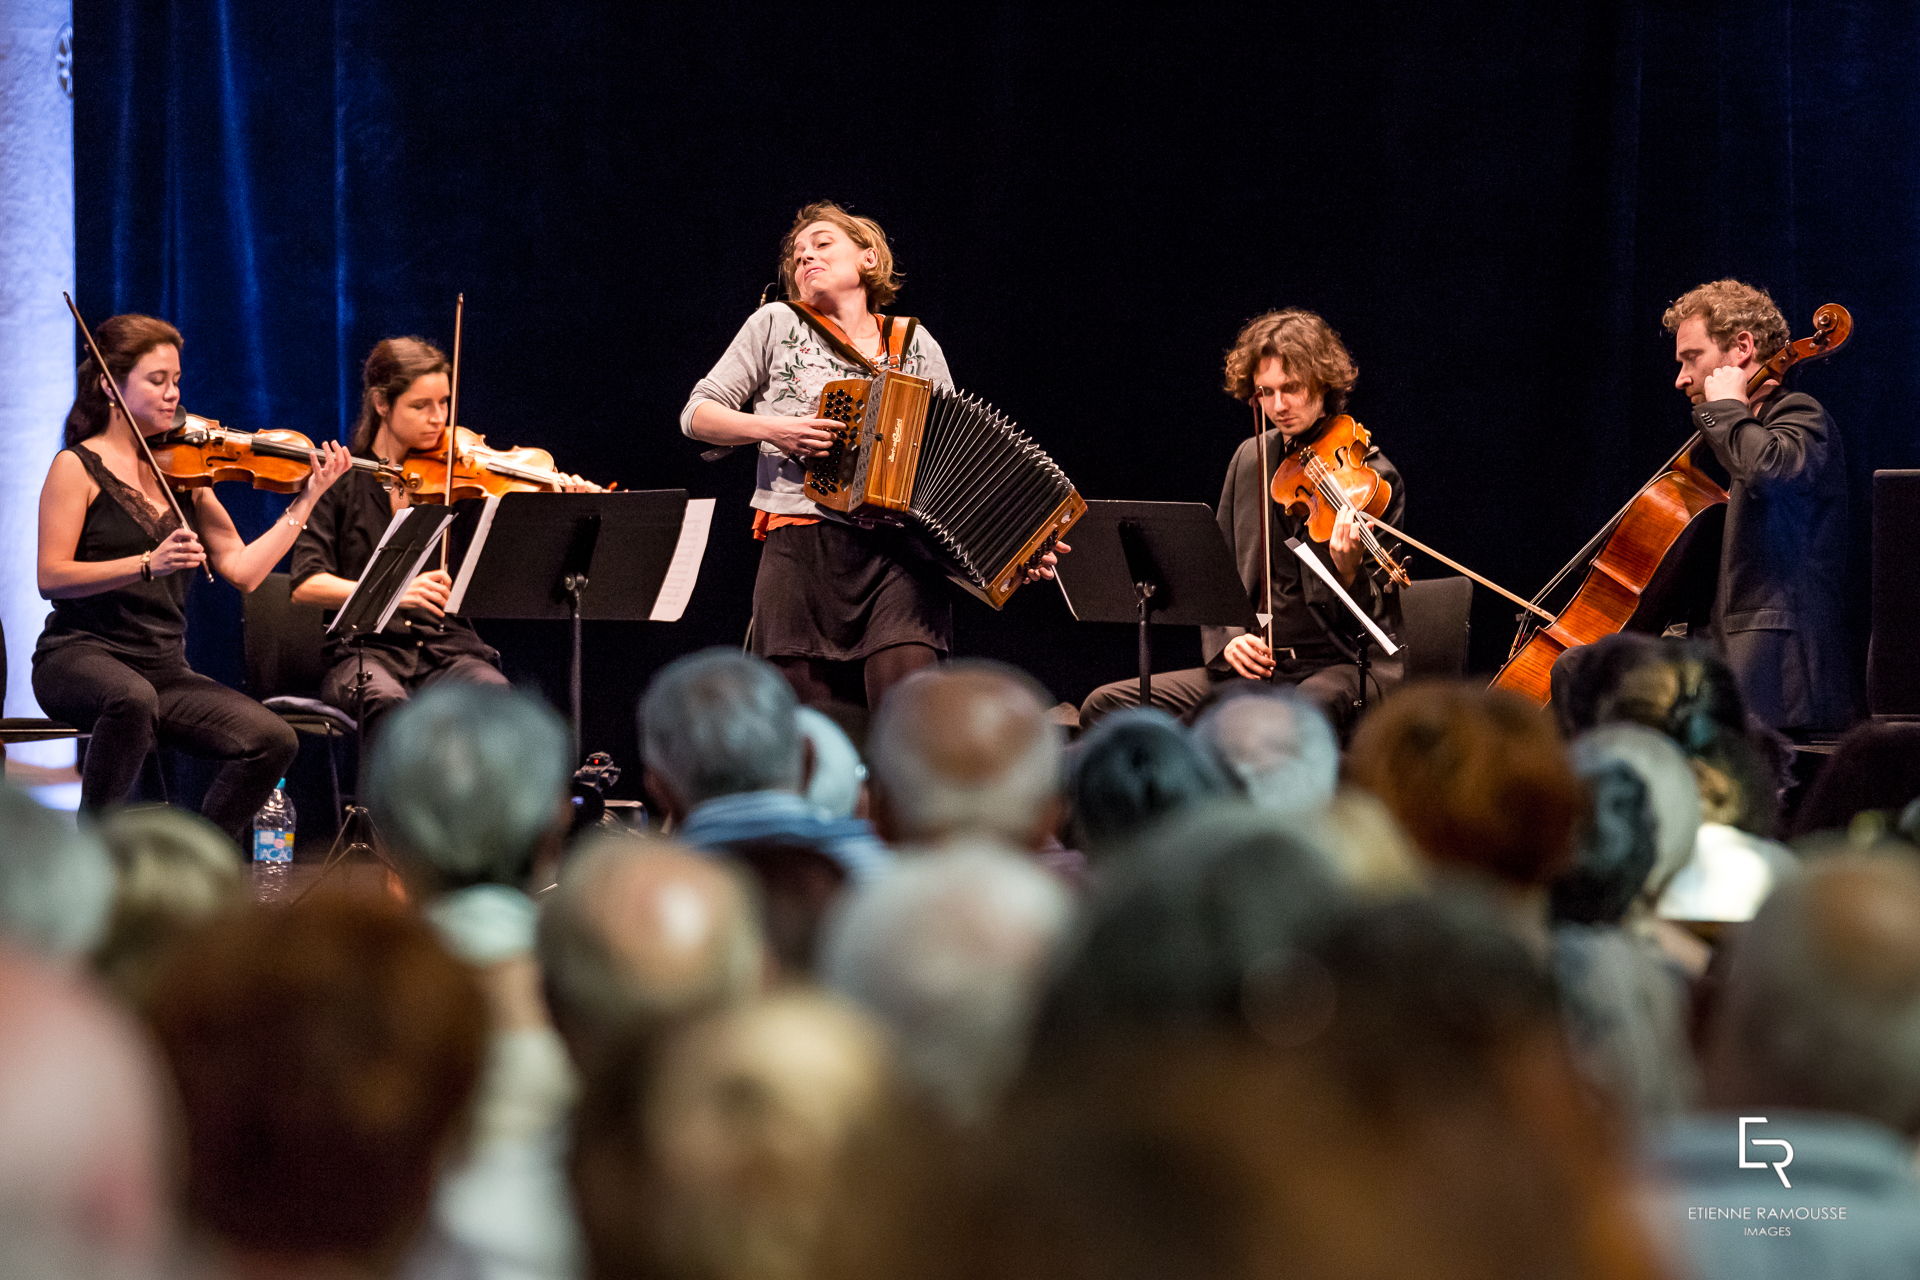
(1322, 478)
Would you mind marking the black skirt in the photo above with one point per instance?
(843, 593)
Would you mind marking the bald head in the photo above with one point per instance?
(1822, 1003)
(80, 1107)
(966, 751)
(644, 931)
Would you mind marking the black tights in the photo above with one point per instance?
(129, 704)
(813, 678)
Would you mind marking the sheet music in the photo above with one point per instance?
(1325, 574)
(466, 566)
(385, 576)
(684, 571)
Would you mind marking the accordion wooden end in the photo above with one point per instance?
(983, 497)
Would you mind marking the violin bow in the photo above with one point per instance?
(1267, 503)
(119, 402)
(453, 411)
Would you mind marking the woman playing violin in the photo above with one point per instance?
(1294, 369)
(403, 411)
(116, 562)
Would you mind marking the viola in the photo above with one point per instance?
(1642, 549)
(198, 451)
(482, 471)
(1318, 481)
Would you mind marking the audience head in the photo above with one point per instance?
(174, 870)
(640, 933)
(949, 951)
(1176, 933)
(966, 750)
(1673, 795)
(1613, 849)
(1365, 845)
(81, 1166)
(1278, 745)
(716, 1151)
(325, 1056)
(468, 783)
(835, 773)
(718, 723)
(56, 882)
(1821, 1005)
(1478, 778)
(1132, 769)
(1396, 1102)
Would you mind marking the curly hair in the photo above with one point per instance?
(1728, 307)
(1304, 344)
(882, 278)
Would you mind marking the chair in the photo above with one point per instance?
(1436, 618)
(286, 661)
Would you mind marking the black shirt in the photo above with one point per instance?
(1303, 607)
(340, 538)
(142, 619)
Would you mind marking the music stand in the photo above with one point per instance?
(398, 559)
(612, 557)
(1371, 632)
(1153, 562)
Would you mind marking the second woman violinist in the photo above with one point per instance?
(403, 410)
(1297, 373)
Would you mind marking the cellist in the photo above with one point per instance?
(1297, 373)
(1777, 610)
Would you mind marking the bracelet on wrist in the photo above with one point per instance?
(146, 566)
(297, 524)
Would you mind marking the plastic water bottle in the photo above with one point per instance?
(273, 828)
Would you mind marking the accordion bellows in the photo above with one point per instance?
(987, 499)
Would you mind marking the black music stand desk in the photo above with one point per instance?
(610, 557)
(1153, 562)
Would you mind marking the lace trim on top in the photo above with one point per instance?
(155, 524)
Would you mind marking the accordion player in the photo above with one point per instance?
(988, 501)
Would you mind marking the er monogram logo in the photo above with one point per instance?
(1778, 1166)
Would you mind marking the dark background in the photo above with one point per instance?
(1492, 210)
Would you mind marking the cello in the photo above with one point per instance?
(1642, 546)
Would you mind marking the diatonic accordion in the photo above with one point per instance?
(988, 500)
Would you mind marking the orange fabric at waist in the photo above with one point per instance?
(765, 522)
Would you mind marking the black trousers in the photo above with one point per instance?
(1183, 694)
(393, 678)
(131, 704)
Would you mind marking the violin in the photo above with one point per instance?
(482, 471)
(196, 452)
(1318, 481)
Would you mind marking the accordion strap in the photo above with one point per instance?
(896, 336)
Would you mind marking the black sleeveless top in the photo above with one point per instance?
(144, 619)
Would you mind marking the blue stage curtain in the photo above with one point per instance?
(1493, 210)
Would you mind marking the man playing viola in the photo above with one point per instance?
(1294, 370)
(1777, 610)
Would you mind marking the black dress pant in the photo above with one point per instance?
(130, 704)
(393, 677)
(1184, 694)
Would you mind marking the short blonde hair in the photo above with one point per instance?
(1304, 344)
(882, 279)
(1727, 308)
